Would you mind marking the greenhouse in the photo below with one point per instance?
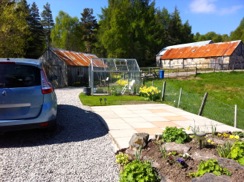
(113, 76)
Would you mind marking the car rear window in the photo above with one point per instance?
(14, 75)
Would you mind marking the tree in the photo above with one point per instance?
(47, 22)
(238, 33)
(36, 40)
(186, 34)
(162, 21)
(211, 36)
(179, 33)
(65, 33)
(127, 29)
(13, 28)
(89, 27)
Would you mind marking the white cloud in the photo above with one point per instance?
(203, 6)
(230, 10)
(210, 6)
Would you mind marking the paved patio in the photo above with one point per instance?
(125, 120)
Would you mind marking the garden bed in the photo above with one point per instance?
(172, 164)
(176, 172)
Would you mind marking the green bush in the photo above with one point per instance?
(237, 152)
(139, 171)
(210, 166)
(174, 134)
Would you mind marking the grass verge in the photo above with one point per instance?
(96, 100)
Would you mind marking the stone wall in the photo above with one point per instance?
(55, 68)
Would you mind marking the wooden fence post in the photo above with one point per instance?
(235, 116)
(163, 91)
(203, 103)
(179, 97)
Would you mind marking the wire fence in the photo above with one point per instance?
(213, 108)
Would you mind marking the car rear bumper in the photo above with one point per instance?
(48, 124)
(46, 118)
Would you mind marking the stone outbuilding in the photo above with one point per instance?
(67, 68)
(223, 55)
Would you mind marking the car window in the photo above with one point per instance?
(14, 75)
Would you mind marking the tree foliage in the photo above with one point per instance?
(211, 36)
(238, 33)
(47, 22)
(65, 33)
(127, 29)
(36, 40)
(136, 29)
(13, 28)
(89, 28)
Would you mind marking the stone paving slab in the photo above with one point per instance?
(125, 120)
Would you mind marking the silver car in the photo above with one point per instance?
(27, 99)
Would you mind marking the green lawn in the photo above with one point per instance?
(225, 89)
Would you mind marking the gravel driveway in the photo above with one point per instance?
(79, 150)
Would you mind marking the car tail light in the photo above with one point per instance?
(44, 124)
(46, 86)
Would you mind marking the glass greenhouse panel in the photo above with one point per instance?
(114, 76)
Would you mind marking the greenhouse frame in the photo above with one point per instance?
(114, 76)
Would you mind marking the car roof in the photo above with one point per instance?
(25, 61)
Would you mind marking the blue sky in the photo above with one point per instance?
(220, 16)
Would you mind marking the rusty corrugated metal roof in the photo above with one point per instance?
(203, 51)
(73, 58)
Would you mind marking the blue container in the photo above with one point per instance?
(161, 74)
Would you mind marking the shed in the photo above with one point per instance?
(67, 68)
(223, 55)
(162, 52)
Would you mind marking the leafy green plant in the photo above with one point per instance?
(138, 154)
(237, 152)
(139, 171)
(239, 133)
(210, 166)
(174, 134)
(194, 128)
(163, 152)
(122, 158)
(224, 150)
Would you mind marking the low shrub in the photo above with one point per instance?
(237, 152)
(174, 134)
(210, 166)
(122, 159)
(139, 171)
(152, 93)
(224, 150)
